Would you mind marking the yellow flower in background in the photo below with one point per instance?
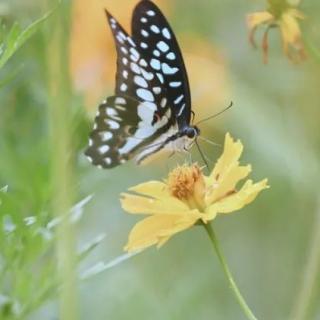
(284, 16)
(187, 196)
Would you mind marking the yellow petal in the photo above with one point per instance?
(227, 183)
(211, 213)
(238, 200)
(143, 205)
(290, 29)
(158, 230)
(227, 171)
(229, 158)
(254, 19)
(155, 189)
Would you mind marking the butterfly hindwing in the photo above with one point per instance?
(123, 127)
(157, 43)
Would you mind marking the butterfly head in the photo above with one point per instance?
(192, 132)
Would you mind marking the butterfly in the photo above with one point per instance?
(151, 109)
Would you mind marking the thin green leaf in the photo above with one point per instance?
(90, 246)
(17, 38)
(103, 266)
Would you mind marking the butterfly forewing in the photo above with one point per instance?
(157, 43)
(134, 77)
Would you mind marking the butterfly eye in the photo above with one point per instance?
(191, 132)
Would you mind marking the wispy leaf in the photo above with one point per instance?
(103, 266)
(90, 246)
(18, 37)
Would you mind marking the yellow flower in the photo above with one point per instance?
(188, 197)
(285, 17)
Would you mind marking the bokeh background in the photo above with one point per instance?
(271, 245)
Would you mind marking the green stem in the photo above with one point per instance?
(62, 159)
(309, 286)
(245, 308)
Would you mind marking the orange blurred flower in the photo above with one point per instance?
(284, 16)
(93, 56)
(92, 49)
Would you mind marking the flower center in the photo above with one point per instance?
(187, 184)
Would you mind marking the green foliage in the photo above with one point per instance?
(28, 275)
(17, 37)
(28, 263)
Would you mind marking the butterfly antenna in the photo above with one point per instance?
(209, 141)
(202, 156)
(217, 114)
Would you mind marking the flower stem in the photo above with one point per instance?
(245, 308)
(309, 286)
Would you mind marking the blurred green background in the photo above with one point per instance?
(276, 115)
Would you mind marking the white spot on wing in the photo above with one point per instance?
(145, 113)
(125, 61)
(181, 110)
(175, 84)
(145, 33)
(131, 41)
(125, 74)
(160, 77)
(155, 64)
(162, 46)
(140, 81)
(145, 95)
(154, 29)
(119, 39)
(156, 90)
(151, 13)
(163, 102)
(122, 35)
(135, 53)
(178, 100)
(107, 161)
(143, 63)
(112, 124)
(156, 53)
(111, 112)
(124, 50)
(143, 20)
(135, 68)
(147, 75)
(103, 149)
(166, 33)
(120, 100)
(143, 45)
(171, 56)
(105, 135)
(168, 70)
(123, 87)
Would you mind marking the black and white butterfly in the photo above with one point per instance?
(151, 108)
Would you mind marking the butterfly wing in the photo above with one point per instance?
(152, 100)
(134, 77)
(124, 127)
(159, 47)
